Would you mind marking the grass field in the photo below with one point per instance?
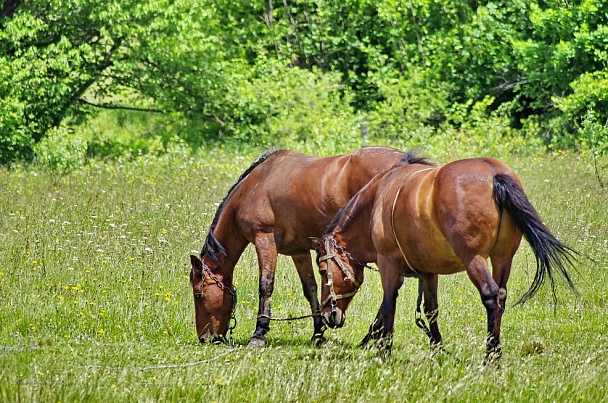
(95, 303)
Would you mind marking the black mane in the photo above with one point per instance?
(212, 246)
(408, 158)
(334, 222)
(413, 158)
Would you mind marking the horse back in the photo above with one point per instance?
(295, 195)
(447, 215)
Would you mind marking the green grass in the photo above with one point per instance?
(95, 303)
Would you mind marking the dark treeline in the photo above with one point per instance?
(242, 69)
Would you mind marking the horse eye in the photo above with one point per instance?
(198, 297)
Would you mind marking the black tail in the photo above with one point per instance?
(550, 253)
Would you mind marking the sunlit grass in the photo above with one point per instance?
(95, 302)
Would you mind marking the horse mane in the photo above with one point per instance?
(408, 158)
(212, 246)
(334, 222)
(413, 158)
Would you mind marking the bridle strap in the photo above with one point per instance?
(332, 298)
(337, 297)
(349, 275)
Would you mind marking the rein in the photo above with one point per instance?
(311, 315)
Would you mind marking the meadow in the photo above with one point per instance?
(95, 303)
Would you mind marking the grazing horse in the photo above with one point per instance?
(280, 201)
(421, 220)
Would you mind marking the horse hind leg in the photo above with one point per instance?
(492, 298)
(304, 267)
(501, 269)
(266, 250)
(429, 284)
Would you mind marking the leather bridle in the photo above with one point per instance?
(223, 287)
(330, 249)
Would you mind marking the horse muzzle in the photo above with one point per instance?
(213, 339)
(334, 318)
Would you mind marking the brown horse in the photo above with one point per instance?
(420, 220)
(284, 198)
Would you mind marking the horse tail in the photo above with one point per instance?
(551, 255)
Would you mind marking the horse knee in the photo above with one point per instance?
(490, 296)
(502, 295)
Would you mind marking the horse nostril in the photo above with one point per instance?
(335, 318)
(218, 340)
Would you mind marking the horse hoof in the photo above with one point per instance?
(369, 337)
(365, 340)
(436, 347)
(383, 346)
(492, 357)
(382, 354)
(257, 342)
(318, 340)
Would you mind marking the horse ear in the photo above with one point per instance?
(197, 265)
(315, 243)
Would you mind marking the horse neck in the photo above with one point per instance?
(353, 231)
(228, 235)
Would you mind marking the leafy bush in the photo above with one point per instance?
(61, 151)
(15, 142)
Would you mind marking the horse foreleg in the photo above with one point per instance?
(303, 265)
(491, 297)
(266, 250)
(391, 282)
(431, 307)
(376, 326)
(374, 329)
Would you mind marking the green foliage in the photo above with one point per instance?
(302, 108)
(61, 151)
(589, 95)
(409, 103)
(15, 142)
(221, 71)
(594, 134)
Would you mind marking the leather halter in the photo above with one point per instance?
(223, 287)
(332, 298)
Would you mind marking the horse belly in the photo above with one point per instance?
(435, 255)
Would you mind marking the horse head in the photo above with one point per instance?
(339, 283)
(214, 300)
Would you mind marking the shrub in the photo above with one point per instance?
(61, 151)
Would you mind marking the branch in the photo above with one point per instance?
(509, 85)
(9, 8)
(212, 115)
(120, 107)
(131, 108)
(107, 62)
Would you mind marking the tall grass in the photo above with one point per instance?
(95, 303)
